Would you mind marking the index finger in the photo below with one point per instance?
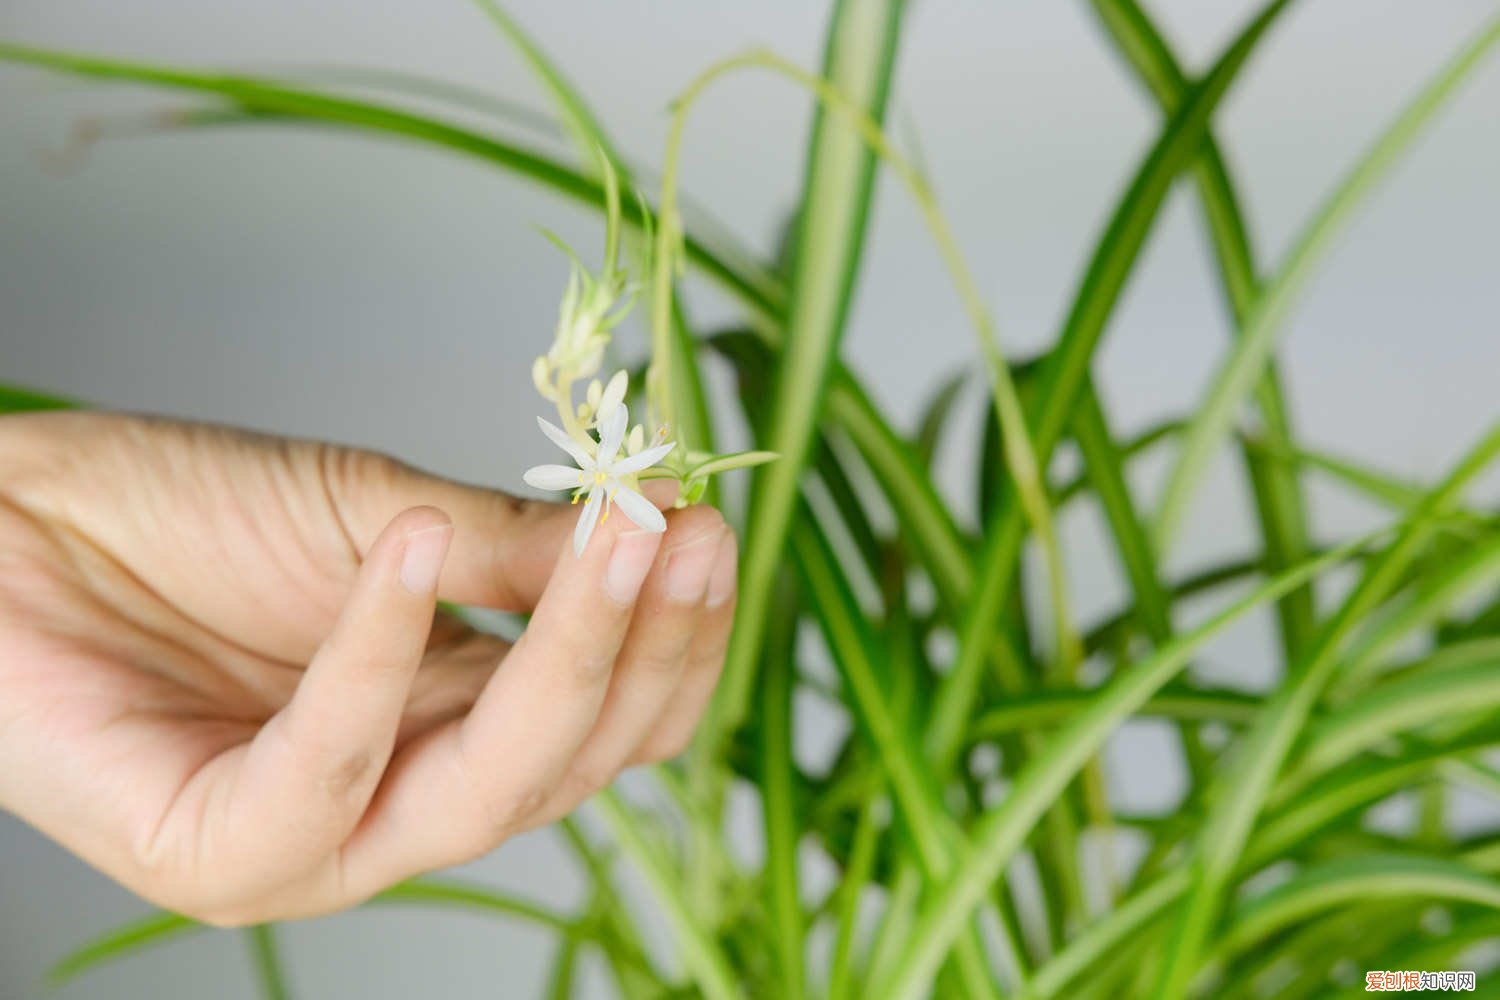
(460, 791)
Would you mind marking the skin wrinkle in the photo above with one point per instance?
(326, 458)
(62, 521)
(223, 652)
(214, 800)
(148, 847)
(298, 463)
(246, 515)
(201, 446)
(65, 543)
(515, 510)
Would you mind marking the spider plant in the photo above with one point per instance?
(966, 812)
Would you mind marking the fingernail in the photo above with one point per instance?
(726, 571)
(629, 563)
(423, 559)
(688, 567)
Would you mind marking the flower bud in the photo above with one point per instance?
(541, 377)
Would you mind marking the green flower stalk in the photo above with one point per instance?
(611, 456)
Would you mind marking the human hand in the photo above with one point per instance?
(222, 683)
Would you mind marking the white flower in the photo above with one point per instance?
(599, 476)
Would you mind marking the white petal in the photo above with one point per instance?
(559, 437)
(611, 434)
(640, 510)
(586, 521)
(635, 440)
(646, 459)
(554, 477)
(613, 395)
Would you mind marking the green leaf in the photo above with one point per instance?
(859, 61)
(674, 383)
(1001, 832)
(511, 114)
(1396, 707)
(266, 954)
(584, 129)
(1441, 952)
(852, 885)
(466, 895)
(1246, 363)
(730, 462)
(706, 962)
(1062, 377)
(1384, 489)
(1301, 809)
(274, 99)
(1434, 596)
(1043, 709)
(924, 517)
(1112, 933)
(778, 785)
(634, 975)
(128, 939)
(935, 416)
(1277, 492)
(857, 654)
(560, 979)
(1354, 882)
(1339, 793)
(590, 139)
(14, 399)
(1106, 471)
(1244, 783)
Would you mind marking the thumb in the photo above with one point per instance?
(309, 774)
(504, 547)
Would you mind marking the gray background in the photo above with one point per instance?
(379, 294)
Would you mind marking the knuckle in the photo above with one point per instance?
(347, 776)
(515, 552)
(691, 522)
(588, 667)
(523, 802)
(505, 814)
(499, 810)
(665, 746)
(342, 773)
(581, 661)
(591, 779)
(708, 659)
(660, 663)
(677, 745)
